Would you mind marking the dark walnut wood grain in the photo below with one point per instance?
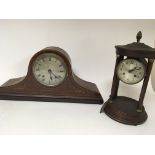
(72, 89)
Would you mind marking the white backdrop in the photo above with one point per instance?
(90, 44)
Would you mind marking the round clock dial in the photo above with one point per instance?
(49, 69)
(131, 71)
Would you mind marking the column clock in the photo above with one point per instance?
(133, 64)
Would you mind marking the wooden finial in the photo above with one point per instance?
(139, 36)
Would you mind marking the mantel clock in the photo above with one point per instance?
(50, 78)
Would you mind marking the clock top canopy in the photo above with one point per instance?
(136, 49)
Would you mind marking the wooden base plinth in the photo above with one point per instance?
(24, 90)
(124, 110)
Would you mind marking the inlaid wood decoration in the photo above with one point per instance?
(50, 78)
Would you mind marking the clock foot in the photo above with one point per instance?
(124, 110)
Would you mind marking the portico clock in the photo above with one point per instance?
(133, 64)
(50, 78)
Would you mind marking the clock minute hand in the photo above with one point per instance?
(131, 70)
(50, 72)
(135, 68)
(57, 77)
(53, 74)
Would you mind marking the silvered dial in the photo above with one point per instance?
(130, 71)
(49, 69)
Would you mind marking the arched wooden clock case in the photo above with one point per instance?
(72, 89)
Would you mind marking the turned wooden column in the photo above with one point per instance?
(145, 83)
(115, 84)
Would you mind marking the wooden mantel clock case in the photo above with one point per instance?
(50, 78)
(133, 64)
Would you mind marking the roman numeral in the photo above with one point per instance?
(37, 69)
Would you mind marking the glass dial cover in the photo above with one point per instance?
(131, 71)
(49, 69)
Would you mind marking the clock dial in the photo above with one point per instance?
(131, 71)
(49, 69)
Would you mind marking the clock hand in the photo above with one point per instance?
(50, 72)
(131, 70)
(135, 68)
(51, 77)
(138, 68)
(54, 75)
(57, 77)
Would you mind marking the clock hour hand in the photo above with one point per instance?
(50, 72)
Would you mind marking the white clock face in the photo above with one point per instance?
(130, 71)
(49, 69)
